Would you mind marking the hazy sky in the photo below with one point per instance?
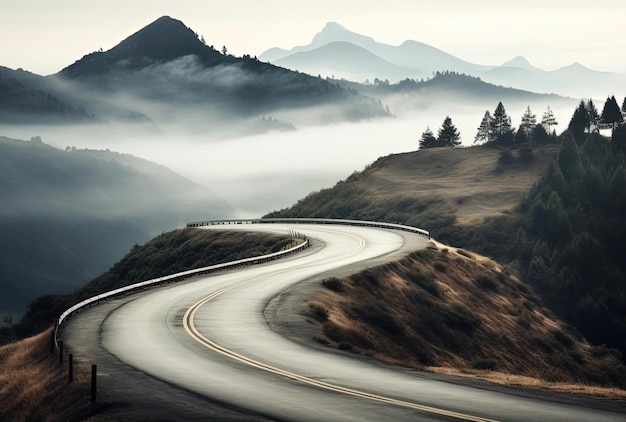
(44, 36)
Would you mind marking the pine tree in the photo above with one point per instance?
(579, 122)
(501, 122)
(484, 130)
(428, 139)
(529, 121)
(448, 135)
(611, 114)
(594, 117)
(624, 106)
(548, 120)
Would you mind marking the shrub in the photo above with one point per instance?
(484, 364)
(458, 316)
(319, 312)
(487, 283)
(464, 253)
(441, 267)
(333, 283)
(345, 345)
(506, 157)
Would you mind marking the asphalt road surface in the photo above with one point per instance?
(213, 337)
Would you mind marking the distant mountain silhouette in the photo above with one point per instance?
(67, 216)
(166, 63)
(350, 61)
(451, 87)
(414, 59)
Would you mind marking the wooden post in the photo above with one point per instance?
(94, 370)
(61, 353)
(70, 362)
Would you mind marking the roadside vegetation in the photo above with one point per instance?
(449, 310)
(34, 387)
(168, 253)
(548, 207)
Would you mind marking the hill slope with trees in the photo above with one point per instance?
(552, 211)
(67, 215)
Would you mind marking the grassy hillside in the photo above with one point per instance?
(33, 387)
(446, 309)
(432, 188)
(556, 221)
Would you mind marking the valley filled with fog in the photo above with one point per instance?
(265, 172)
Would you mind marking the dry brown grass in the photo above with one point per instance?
(33, 386)
(448, 310)
(470, 179)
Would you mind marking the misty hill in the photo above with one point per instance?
(346, 60)
(415, 60)
(166, 72)
(66, 216)
(26, 98)
(457, 88)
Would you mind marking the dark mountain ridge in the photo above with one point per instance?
(66, 216)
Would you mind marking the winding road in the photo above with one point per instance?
(214, 337)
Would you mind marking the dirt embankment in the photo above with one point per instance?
(451, 311)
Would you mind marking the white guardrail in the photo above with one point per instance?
(312, 221)
(227, 265)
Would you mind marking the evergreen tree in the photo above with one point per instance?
(594, 117)
(529, 121)
(580, 122)
(428, 139)
(624, 107)
(611, 114)
(501, 123)
(548, 120)
(448, 135)
(484, 130)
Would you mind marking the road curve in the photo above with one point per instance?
(211, 337)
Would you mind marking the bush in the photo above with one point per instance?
(487, 283)
(333, 283)
(441, 267)
(319, 312)
(484, 364)
(506, 157)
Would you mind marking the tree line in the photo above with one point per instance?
(496, 128)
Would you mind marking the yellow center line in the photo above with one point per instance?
(188, 323)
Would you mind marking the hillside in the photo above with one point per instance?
(556, 221)
(448, 310)
(169, 253)
(431, 188)
(67, 215)
(28, 98)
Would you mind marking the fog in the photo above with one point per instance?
(261, 173)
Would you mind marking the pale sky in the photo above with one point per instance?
(44, 36)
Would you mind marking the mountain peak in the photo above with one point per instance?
(333, 32)
(518, 61)
(163, 40)
(333, 26)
